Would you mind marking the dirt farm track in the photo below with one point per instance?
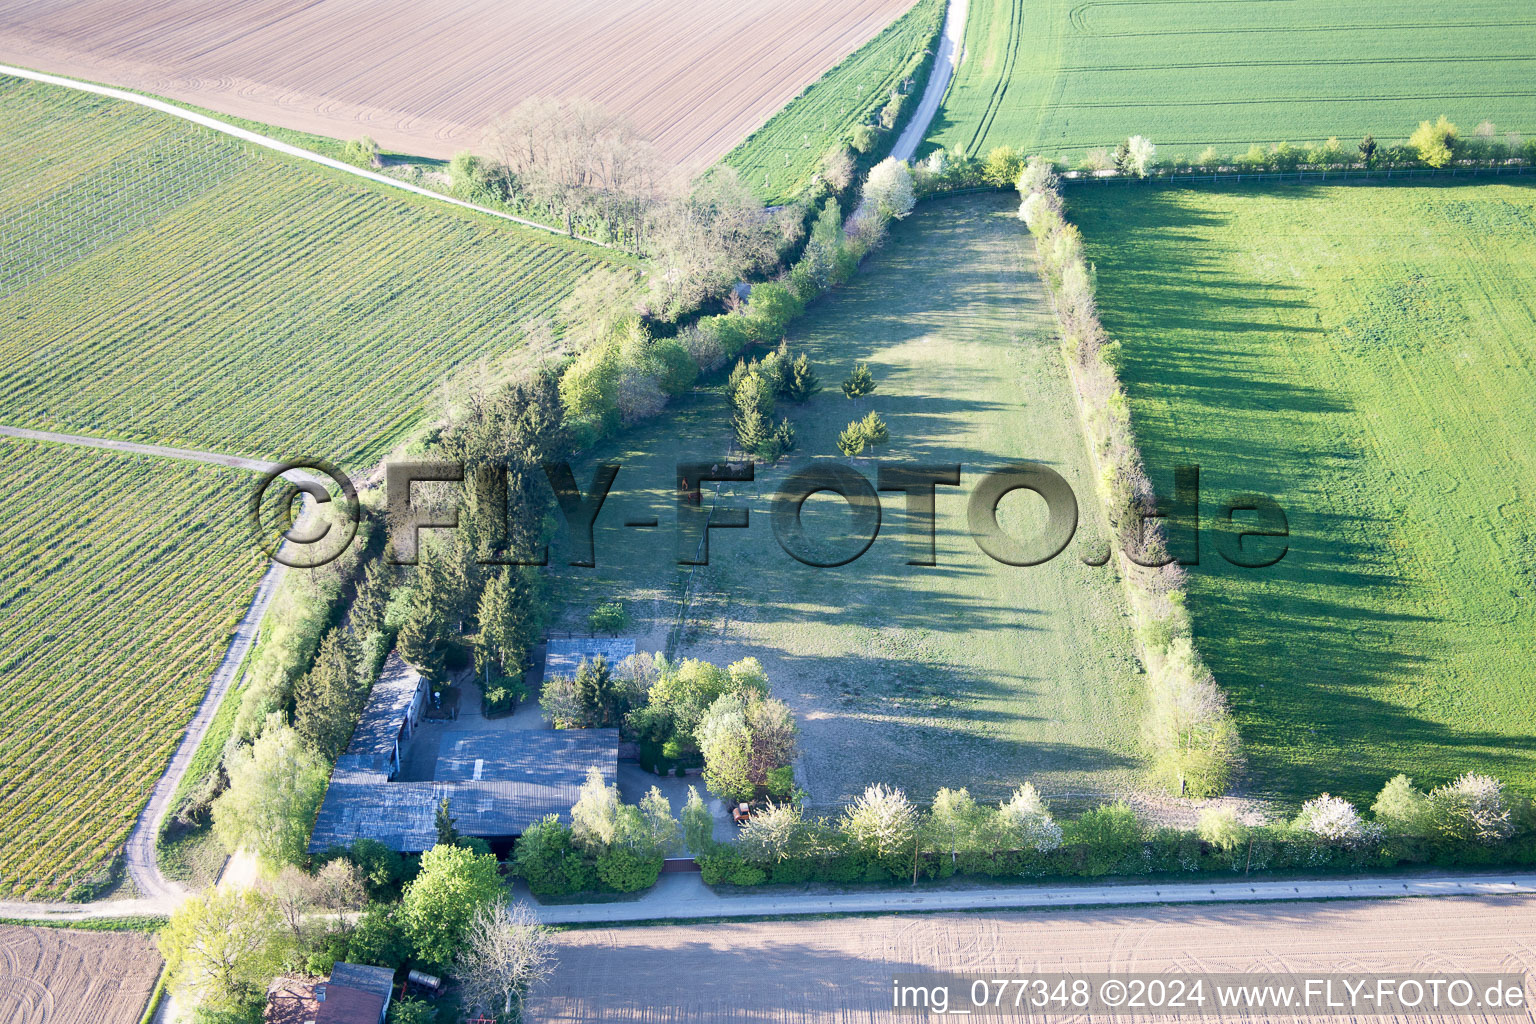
(839, 971)
(696, 76)
(51, 976)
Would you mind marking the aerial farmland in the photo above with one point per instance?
(504, 499)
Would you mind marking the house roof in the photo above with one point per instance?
(564, 657)
(378, 980)
(498, 782)
(373, 741)
(345, 1005)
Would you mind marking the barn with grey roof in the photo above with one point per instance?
(497, 781)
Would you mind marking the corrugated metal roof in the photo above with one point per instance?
(373, 741)
(564, 657)
(524, 775)
(378, 980)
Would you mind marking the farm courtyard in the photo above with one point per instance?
(969, 673)
(1365, 356)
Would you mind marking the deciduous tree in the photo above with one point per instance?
(506, 952)
(275, 787)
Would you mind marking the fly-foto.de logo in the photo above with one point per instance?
(1253, 529)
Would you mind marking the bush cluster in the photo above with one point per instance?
(882, 837)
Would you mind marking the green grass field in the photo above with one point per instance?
(1366, 356)
(123, 577)
(778, 159)
(970, 673)
(1063, 76)
(162, 283)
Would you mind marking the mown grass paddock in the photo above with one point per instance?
(1061, 77)
(970, 673)
(162, 283)
(1366, 355)
(123, 578)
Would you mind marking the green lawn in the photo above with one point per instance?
(778, 160)
(970, 673)
(1365, 356)
(163, 283)
(123, 579)
(1064, 76)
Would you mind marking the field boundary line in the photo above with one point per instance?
(267, 142)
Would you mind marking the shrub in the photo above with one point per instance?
(1334, 819)
(549, 862)
(609, 617)
(363, 152)
(1002, 167)
(724, 865)
(1024, 823)
(888, 188)
(626, 870)
(1219, 827)
(1402, 810)
(1107, 836)
(881, 823)
(1434, 143)
(863, 138)
(1471, 809)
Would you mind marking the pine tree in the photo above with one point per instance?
(329, 697)
(874, 428)
(859, 383)
(751, 431)
(447, 834)
(851, 441)
(803, 382)
(505, 614)
(783, 438)
(595, 691)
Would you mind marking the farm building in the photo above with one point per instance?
(391, 715)
(497, 782)
(564, 657)
(354, 994)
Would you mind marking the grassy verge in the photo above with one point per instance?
(778, 160)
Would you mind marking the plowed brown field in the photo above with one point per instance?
(839, 971)
(695, 75)
(50, 976)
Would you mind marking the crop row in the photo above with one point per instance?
(124, 578)
(280, 311)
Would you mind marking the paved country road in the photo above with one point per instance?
(951, 50)
(684, 896)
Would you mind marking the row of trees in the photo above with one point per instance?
(1434, 144)
(1188, 726)
(883, 835)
